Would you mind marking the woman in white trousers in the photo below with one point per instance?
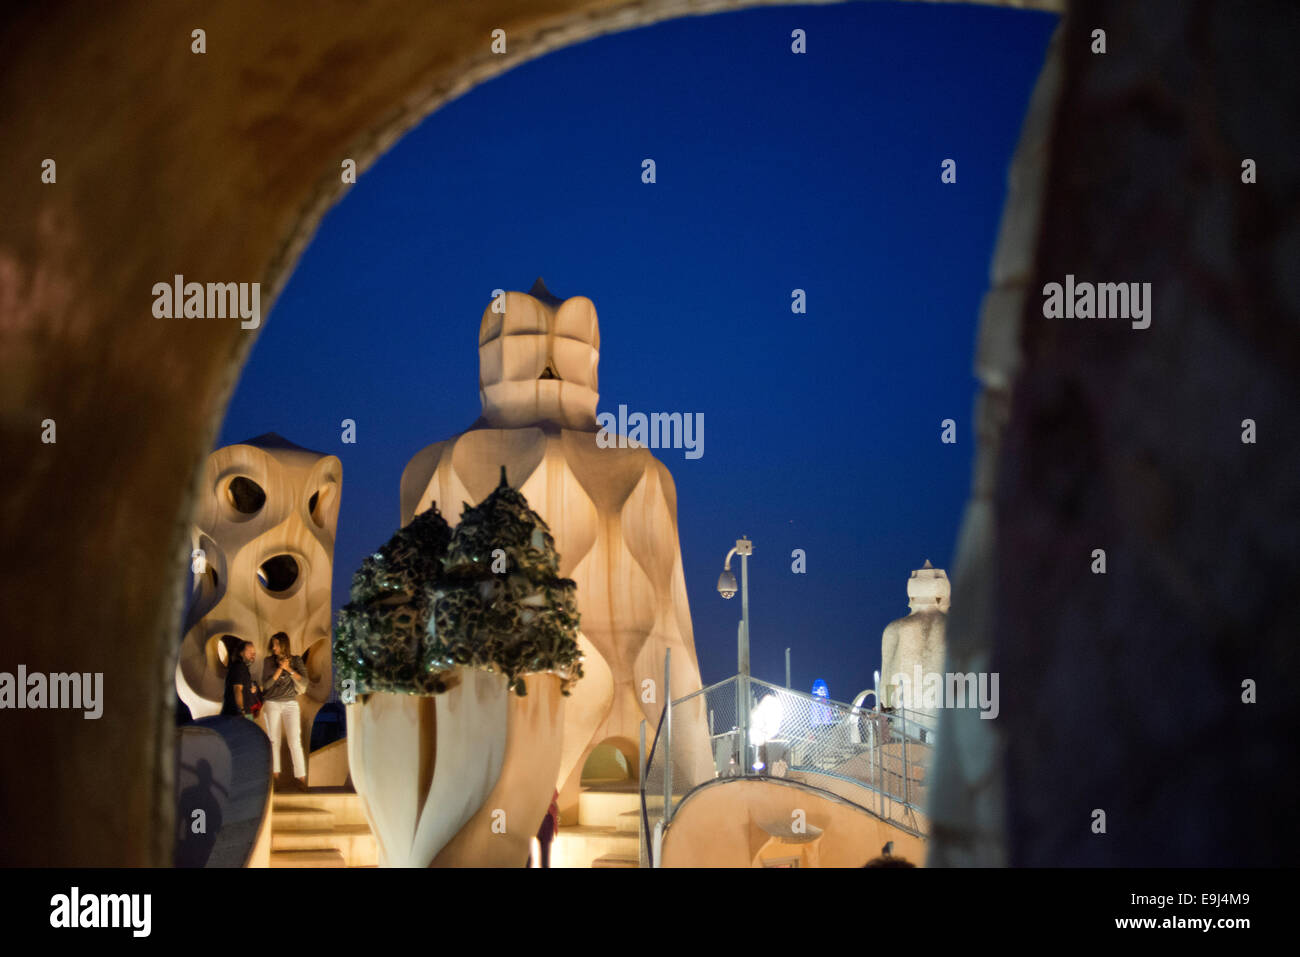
(284, 677)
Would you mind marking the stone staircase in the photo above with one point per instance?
(607, 833)
(323, 827)
(326, 827)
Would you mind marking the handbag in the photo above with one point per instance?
(300, 669)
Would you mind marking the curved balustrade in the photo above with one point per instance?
(874, 759)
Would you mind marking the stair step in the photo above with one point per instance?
(354, 843)
(580, 846)
(300, 837)
(610, 860)
(317, 857)
(344, 805)
(603, 806)
(301, 819)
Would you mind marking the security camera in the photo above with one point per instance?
(727, 584)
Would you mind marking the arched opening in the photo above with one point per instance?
(607, 762)
(200, 358)
(245, 496)
(222, 650)
(326, 266)
(329, 725)
(278, 574)
(611, 762)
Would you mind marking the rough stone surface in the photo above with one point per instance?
(966, 800)
(1123, 692)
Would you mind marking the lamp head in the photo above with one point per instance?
(727, 584)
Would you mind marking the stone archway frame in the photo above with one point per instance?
(200, 174)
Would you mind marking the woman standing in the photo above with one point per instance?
(284, 677)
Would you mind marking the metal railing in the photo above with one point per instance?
(873, 759)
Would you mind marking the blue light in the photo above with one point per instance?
(821, 713)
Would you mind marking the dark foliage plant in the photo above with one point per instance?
(488, 596)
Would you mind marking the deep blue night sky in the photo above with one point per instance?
(775, 171)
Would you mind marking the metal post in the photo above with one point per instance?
(906, 799)
(744, 611)
(787, 669)
(742, 707)
(744, 663)
(713, 748)
(667, 755)
(871, 754)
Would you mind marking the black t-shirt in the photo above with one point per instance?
(237, 675)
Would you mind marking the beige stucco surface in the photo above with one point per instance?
(460, 779)
(298, 518)
(727, 824)
(611, 510)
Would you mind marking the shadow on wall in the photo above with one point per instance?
(222, 791)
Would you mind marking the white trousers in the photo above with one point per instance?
(285, 715)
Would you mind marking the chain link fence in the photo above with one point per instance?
(743, 727)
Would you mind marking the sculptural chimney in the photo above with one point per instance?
(612, 512)
(916, 639)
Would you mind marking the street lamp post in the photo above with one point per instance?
(727, 589)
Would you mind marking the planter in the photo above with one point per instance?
(460, 779)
